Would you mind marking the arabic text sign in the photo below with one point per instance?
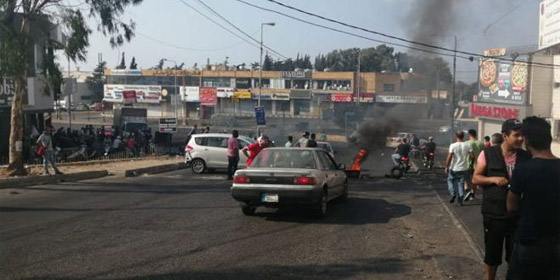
(190, 94)
(401, 99)
(208, 96)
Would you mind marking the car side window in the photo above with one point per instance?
(218, 142)
(331, 162)
(326, 162)
(201, 141)
(242, 143)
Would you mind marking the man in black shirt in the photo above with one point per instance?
(535, 193)
(402, 151)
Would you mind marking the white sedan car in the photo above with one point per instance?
(209, 151)
(280, 177)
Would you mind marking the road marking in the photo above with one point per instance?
(461, 226)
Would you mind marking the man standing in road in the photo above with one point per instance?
(255, 149)
(401, 151)
(456, 167)
(493, 171)
(476, 146)
(302, 142)
(536, 182)
(45, 140)
(290, 142)
(232, 154)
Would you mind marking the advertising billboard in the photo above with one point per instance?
(549, 23)
(208, 96)
(225, 92)
(503, 82)
(341, 98)
(142, 94)
(190, 94)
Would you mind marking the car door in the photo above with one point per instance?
(340, 174)
(217, 152)
(329, 173)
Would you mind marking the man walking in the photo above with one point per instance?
(45, 141)
(493, 171)
(536, 183)
(456, 167)
(232, 154)
(476, 146)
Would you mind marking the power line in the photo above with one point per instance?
(401, 39)
(239, 29)
(185, 48)
(348, 33)
(220, 25)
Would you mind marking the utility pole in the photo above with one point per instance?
(453, 93)
(69, 103)
(359, 76)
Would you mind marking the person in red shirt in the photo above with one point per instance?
(255, 149)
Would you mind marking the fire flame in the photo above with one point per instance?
(357, 161)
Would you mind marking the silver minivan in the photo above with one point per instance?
(209, 151)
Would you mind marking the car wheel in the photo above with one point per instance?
(322, 206)
(248, 210)
(198, 166)
(396, 172)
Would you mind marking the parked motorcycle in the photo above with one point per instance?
(428, 160)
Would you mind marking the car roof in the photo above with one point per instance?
(215, 135)
(323, 142)
(295, 148)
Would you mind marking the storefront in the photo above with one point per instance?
(492, 116)
(300, 102)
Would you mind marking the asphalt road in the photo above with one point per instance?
(178, 225)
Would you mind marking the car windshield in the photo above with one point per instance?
(324, 146)
(284, 158)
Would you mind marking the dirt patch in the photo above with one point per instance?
(115, 167)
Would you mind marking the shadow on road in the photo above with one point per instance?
(355, 211)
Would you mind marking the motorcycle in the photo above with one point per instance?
(428, 160)
(399, 170)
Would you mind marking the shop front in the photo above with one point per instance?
(300, 102)
(492, 116)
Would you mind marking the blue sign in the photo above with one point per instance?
(259, 114)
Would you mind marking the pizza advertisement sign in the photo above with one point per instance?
(503, 82)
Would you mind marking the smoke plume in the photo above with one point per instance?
(430, 21)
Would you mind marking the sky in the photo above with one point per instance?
(170, 29)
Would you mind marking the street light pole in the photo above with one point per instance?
(175, 87)
(261, 62)
(453, 93)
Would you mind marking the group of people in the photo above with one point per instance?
(250, 151)
(520, 195)
(308, 140)
(403, 149)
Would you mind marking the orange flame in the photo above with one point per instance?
(357, 161)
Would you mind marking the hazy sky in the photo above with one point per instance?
(171, 24)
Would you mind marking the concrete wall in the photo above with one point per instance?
(541, 83)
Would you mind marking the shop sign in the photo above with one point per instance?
(123, 72)
(168, 125)
(142, 94)
(112, 93)
(224, 92)
(280, 96)
(549, 23)
(7, 91)
(129, 96)
(242, 94)
(208, 96)
(404, 99)
(495, 111)
(296, 74)
(190, 94)
(341, 98)
(503, 82)
(264, 96)
(495, 52)
(365, 98)
(300, 94)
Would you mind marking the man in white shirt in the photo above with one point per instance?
(457, 167)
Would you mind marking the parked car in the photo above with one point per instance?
(97, 106)
(283, 177)
(326, 146)
(209, 151)
(446, 128)
(395, 141)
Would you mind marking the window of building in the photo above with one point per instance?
(216, 82)
(388, 87)
(265, 82)
(243, 83)
(332, 85)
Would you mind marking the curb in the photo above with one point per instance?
(155, 169)
(42, 180)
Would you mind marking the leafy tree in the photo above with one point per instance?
(121, 65)
(95, 83)
(19, 17)
(267, 63)
(133, 65)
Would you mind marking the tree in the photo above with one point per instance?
(267, 63)
(95, 83)
(133, 65)
(19, 17)
(121, 65)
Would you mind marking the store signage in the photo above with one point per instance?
(224, 92)
(296, 74)
(495, 52)
(242, 94)
(123, 72)
(549, 23)
(401, 99)
(260, 116)
(341, 98)
(190, 94)
(300, 94)
(365, 98)
(264, 96)
(142, 94)
(280, 96)
(129, 96)
(494, 111)
(208, 96)
(168, 125)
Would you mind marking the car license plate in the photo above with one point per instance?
(271, 198)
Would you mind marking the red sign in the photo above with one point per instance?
(497, 112)
(342, 98)
(129, 96)
(208, 96)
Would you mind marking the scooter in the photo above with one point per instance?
(399, 170)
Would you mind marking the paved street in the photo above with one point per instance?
(182, 226)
